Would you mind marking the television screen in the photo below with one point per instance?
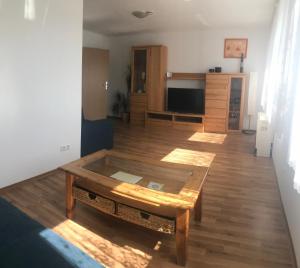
(186, 100)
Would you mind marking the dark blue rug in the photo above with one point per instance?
(24, 243)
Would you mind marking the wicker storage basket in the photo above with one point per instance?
(146, 219)
(96, 201)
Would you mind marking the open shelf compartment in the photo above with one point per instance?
(176, 120)
(166, 117)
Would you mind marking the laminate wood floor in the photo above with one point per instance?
(243, 223)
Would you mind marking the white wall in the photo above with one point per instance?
(285, 174)
(40, 86)
(195, 51)
(95, 40)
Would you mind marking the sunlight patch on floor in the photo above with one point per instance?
(208, 137)
(189, 157)
(100, 248)
(73, 255)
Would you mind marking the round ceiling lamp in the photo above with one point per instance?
(141, 14)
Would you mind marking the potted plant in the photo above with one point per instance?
(120, 106)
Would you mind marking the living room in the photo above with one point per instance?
(149, 133)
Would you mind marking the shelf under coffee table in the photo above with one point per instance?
(89, 180)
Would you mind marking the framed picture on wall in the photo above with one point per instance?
(235, 47)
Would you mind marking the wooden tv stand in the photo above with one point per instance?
(193, 122)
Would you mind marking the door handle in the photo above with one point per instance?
(106, 85)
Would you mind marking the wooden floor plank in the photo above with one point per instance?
(243, 224)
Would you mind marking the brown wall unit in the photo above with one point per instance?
(149, 67)
(224, 93)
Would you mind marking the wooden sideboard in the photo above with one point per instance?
(224, 102)
(148, 81)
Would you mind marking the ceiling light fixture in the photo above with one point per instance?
(141, 14)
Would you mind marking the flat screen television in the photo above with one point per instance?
(186, 100)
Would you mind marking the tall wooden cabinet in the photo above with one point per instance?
(224, 102)
(148, 81)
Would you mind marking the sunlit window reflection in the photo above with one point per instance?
(29, 10)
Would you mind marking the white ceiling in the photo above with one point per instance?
(113, 17)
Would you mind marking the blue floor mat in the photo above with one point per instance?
(26, 243)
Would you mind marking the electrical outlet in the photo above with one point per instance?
(65, 148)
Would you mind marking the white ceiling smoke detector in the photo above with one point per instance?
(141, 14)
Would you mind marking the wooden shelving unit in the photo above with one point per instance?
(148, 81)
(176, 120)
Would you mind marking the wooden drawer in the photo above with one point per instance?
(101, 203)
(215, 125)
(216, 112)
(138, 98)
(216, 89)
(217, 86)
(217, 78)
(146, 219)
(137, 111)
(216, 104)
(138, 107)
(216, 96)
(138, 104)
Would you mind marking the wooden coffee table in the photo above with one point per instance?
(168, 210)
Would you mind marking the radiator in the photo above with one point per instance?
(263, 136)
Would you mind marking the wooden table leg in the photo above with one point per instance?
(182, 229)
(70, 201)
(198, 207)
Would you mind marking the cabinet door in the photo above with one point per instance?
(156, 85)
(139, 70)
(235, 115)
